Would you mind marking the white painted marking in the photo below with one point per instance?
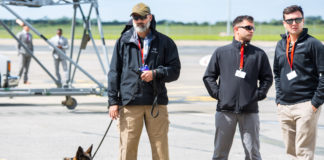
(205, 60)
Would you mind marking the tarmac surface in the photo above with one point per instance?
(39, 127)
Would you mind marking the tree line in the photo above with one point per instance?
(310, 20)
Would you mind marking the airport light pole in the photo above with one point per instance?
(228, 18)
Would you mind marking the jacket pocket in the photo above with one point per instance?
(255, 97)
(218, 93)
(260, 95)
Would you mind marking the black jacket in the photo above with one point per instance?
(308, 63)
(236, 94)
(124, 84)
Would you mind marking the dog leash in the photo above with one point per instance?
(152, 113)
(102, 139)
(155, 93)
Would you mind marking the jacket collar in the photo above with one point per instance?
(131, 36)
(303, 35)
(238, 44)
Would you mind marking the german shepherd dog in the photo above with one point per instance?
(81, 155)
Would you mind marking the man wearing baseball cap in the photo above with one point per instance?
(143, 61)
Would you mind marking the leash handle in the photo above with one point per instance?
(153, 107)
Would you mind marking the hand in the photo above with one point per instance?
(113, 112)
(278, 105)
(314, 108)
(147, 76)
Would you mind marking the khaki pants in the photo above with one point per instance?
(130, 126)
(299, 127)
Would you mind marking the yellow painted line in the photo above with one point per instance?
(193, 99)
(200, 98)
(175, 98)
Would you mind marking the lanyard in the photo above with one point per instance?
(290, 61)
(142, 51)
(242, 56)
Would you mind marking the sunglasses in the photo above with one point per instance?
(291, 21)
(137, 17)
(249, 28)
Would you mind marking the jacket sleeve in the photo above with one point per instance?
(53, 42)
(265, 77)
(276, 71)
(211, 75)
(318, 52)
(170, 69)
(114, 76)
(31, 43)
(19, 37)
(66, 44)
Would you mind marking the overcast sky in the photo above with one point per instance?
(178, 10)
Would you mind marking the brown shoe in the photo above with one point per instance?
(26, 83)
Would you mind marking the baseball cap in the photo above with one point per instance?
(141, 9)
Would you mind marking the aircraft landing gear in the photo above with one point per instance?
(70, 102)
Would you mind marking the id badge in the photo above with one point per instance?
(144, 68)
(240, 74)
(291, 75)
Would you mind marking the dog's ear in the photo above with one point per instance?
(89, 149)
(79, 152)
